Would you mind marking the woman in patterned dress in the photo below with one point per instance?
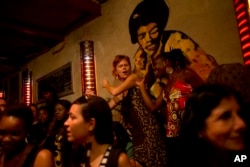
(147, 137)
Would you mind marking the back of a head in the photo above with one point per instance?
(176, 57)
(96, 107)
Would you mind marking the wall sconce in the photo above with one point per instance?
(27, 97)
(243, 23)
(3, 90)
(88, 66)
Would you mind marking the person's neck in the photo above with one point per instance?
(98, 149)
(17, 151)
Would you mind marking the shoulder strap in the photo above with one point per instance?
(113, 157)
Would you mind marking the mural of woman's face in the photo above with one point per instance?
(149, 38)
(123, 69)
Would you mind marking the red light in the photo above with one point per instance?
(242, 16)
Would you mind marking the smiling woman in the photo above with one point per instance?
(14, 125)
(213, 126)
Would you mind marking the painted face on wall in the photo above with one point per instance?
(60, 112)
(77, 127)
(149, 38)
(123, 69)
(224, 128)
(12, 134)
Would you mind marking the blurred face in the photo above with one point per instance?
(149, 38)
(42, 116)
(159, 67)
(60, 112)
(33, 109)
(123, 69)
(12, 134)
(2, 105)
(140, 62)
(47, 95)
(224, 127)
(77, 128)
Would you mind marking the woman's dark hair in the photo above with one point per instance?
(118, 59)
(22, 112)
(148, 11)
(96, 107)
(176, 58)
(64, 103)
(199, 106)
(42, 108)
(121, 134)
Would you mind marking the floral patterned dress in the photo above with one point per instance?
(175, 106)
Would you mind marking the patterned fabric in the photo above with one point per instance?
(109, 159)
(175, 106)
(58, 150)
(148, 139)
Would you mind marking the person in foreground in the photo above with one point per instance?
(15, 152)
(90, 127)
(213, 128)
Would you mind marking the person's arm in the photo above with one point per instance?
(116, 100)
(116, 90)
(44, 158)
(123, 161)
(150, 104)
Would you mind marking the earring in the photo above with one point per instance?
(117, 77)
(169, 70)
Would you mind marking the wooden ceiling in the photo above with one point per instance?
(29, 28)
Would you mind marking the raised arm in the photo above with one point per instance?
(151, 105)
(116, 100)
(116, 90)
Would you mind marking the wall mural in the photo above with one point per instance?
(168, 66)
(146, 27)
(160, 71)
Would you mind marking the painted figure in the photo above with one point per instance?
(146, 26)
